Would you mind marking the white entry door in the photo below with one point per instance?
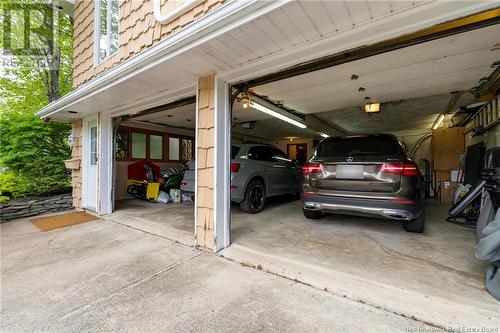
(90, 166)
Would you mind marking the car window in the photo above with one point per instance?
(234, 151)
(260, 153)
(280, 156)
(357, 146)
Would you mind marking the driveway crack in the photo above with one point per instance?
(127, 287)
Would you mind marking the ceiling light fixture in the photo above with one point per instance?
(371, 106)
(278, 115)
(324, 135)
(438, 121)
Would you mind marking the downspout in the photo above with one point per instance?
(164, 19)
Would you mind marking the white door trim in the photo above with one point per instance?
(85, 161)
(105, 165)
(222, 161)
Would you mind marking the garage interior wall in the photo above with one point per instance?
(491, 138)
(122, 166)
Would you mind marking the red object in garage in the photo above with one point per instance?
(137, 171)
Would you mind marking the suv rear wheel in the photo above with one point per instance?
(312, 214)
(255, 197)
(416, 225)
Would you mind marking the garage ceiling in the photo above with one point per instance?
(266, 127)
(183, 116)
(434, 68)
(413, 83)
(401, 115)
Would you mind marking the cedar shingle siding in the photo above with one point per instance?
(138, 31)
(205, 153)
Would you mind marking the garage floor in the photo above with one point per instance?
(174, 221)
(360, 257)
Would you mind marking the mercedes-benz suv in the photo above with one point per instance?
(364, 175)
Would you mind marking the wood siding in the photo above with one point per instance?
(138, 31)
(76, 154)
(205, 153)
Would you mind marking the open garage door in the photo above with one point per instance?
(329, 163)
(154, 171)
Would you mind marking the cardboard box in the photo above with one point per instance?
(447, 191)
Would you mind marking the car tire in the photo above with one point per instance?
(255, 197)
(417, 225)
(312, 214)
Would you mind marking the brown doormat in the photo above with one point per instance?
(47, 223)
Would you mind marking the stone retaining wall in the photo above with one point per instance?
(23, 208)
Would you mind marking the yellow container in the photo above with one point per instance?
(153, 191)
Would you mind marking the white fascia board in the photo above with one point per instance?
(225, 18)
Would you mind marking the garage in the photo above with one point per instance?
(424, 94)
(163, 140)
(273, 81)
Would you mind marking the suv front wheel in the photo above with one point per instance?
(255, 197)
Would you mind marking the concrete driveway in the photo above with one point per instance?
(103, 276)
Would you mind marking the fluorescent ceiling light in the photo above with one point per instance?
(278, 115)
(324, 135)
(438, 121)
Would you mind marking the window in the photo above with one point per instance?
(93, 146)
(138, 145)
(261, 153)
(234, 151)
(359, 146)
(106, 28)
(121, 144)
(280, 156)
(186, 150)
(156, 147)
(173, 149)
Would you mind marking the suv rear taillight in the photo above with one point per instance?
(403, 169)
(235, 167)
(311, 168)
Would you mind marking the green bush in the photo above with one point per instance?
(34, 154)
(16, 185)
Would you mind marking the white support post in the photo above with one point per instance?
(105, 171)
(222, 159)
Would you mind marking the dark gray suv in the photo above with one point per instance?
(260, 171)
(364, 175)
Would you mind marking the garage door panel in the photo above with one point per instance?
(476, 41)
(414, 76)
